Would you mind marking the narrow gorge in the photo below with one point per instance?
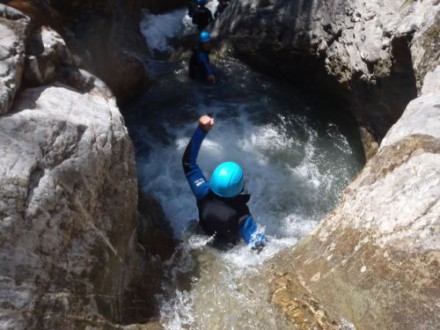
(333, 107)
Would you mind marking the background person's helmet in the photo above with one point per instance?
(227, 180)
(205, 36)
(201, 2)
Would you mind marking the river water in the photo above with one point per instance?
(298, 152)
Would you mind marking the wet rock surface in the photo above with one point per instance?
(362, 51)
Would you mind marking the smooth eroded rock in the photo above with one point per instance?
(67, 210)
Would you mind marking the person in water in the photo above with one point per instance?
(222, 4)
(192, 5)
(199, 64)
(222, 205)
(201, 16)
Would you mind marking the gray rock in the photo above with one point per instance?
(375, 259)
(431, 84)
(375, 53)
(13, 32)
(46, 53)
(421, 117)
(67, 208)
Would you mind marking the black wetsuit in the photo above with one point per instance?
(199, 65)
(192, 5)
(228, 218)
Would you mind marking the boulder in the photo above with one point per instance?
(68, 209)
(14, 28)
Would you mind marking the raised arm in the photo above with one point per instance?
(193, 173)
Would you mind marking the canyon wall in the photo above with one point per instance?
(373, 55)
(75, 251)
(375, 259)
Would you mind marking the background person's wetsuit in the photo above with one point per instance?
(201, 17)
(199, 65)
(227, 218)
(192, 5)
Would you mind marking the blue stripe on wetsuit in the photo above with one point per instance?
(197, 181)
(200, 187)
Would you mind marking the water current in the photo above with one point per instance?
(298, 152)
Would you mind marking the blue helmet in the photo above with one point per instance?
(205, 36)
(201, 2)
(227, 180)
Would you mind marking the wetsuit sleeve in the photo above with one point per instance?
(204, 60)
(249, 232)
(193, 173)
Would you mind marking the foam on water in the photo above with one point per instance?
(291, 186)
(158, 29)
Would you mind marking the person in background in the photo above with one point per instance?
(192, 5)
(222, 205)
(199, 64)
(201, 16)
(222, 4)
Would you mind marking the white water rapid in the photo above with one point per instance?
(297, 158)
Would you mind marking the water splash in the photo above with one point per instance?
(296, 164)
(158, 29)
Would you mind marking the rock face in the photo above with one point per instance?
(13, 32)
(104, 34)
(375, 259)
(71, 252)
(373, 53)
(67, 207)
